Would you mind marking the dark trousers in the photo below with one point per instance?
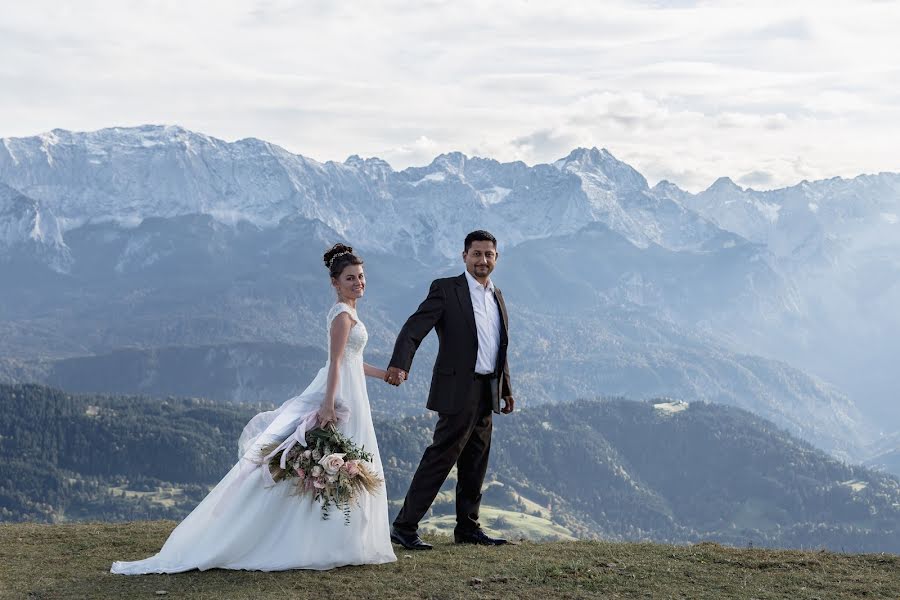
(463, 439)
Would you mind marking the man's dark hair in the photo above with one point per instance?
(479, 236)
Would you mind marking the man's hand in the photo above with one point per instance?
(509, 405)
(395, 376)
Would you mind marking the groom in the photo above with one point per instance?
(471, 375)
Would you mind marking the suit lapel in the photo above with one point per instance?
(497, 390)
(465, 302)
(503, 316)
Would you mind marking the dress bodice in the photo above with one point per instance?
(358, 334)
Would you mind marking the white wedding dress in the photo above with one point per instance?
(246, 522)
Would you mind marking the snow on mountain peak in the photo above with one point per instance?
(581, 158)
(798, 221)
(606, 170)
(357, 161)
(50, 138)
(126, 174)
(666, 188)
(452, 162)
(24, 223)
(373, 167)
(724, 185)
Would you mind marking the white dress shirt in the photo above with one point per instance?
(487, 324)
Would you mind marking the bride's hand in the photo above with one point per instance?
(327, 415)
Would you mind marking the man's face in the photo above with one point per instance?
(480, 259)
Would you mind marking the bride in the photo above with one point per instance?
(246, 522)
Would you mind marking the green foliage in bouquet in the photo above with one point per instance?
(331, 468)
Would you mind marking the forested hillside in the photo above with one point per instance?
(613, 469)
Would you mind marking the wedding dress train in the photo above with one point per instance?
(247, 523)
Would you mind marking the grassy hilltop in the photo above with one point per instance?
(72, 561)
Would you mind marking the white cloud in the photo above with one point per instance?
(728, 120)
(683, 90)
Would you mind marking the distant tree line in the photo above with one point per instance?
(611, 468)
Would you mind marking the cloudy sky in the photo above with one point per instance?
(768, 93)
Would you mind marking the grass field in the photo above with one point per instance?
(505, 523)
(72, 561)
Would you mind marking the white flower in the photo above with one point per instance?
(316, 454)
(332, 463)
(317, 470)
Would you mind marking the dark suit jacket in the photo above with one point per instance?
(448, 309)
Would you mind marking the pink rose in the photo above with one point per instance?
(332, 463)
(300, 472)
(352, 467)
(319, 484)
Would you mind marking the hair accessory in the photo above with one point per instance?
(331, 262)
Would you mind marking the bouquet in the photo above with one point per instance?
(329, 467)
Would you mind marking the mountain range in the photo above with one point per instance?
(129, 243)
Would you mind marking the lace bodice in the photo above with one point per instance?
(358, 334)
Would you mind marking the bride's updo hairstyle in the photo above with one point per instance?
(338, 258)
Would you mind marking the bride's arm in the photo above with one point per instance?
(340, 331)
(371, 371)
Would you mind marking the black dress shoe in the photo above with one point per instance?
(410, 541)
(477, 536)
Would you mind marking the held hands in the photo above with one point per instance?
(395, 376)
